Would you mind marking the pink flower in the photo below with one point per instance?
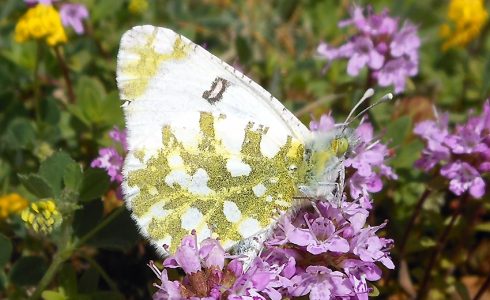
(326, 123)
(368, 162)
(321, 283)
(119, 136)
(72, 15)
(462, 154)
(320, 237)
(463, 177)
(34, 2)
(167, 289)
(389, 52)
(331, 238)
(372, 248)
(405, 42)
(363, 54)
(110, 160)
(186, 256)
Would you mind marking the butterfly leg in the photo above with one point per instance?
(328, 193)
(250, 248)
(340, 189)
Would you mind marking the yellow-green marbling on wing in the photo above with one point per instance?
(225, 201)
(142, 69)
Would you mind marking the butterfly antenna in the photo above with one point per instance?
(383, 99)
(436, 113)
(367, 94)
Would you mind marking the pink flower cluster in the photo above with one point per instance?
(390, 52)
(462, 154)
(365, 166)
(110, 158)
(326, 253)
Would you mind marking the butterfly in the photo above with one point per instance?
(210, 150)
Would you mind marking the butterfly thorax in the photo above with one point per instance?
(325, 153)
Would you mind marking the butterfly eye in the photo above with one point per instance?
(340, 146)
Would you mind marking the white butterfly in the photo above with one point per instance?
(210, 150)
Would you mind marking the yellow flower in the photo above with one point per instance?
(11, 203)
(138, 6)
(466, 20)
(42, 216)
(41, 22)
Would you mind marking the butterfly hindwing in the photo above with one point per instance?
(196, 180)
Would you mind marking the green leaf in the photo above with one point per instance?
(3, 280)
(27, 270)
(120, 234)
(7, 8)
(108, 296)
(462, 290)
(37, 185)
(94, 184)
(113, 113)
(94, 106)
(5, 250)
(53, 169)
(22, 55)
(68, 280)
(52, 295)
(427, 242)
(86, 217)
(374, 292)
(20, 134)
(73, 176)
(484, 227)
(398, 130)
(243, 49)
(286, 8)
(50, 111)
(486, 79)
(89, 281)
(406, 155)
(90, 94)
(104, 9)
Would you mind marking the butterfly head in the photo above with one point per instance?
(339, 146)
(328, 148)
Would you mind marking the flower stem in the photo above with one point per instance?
(483, 288)
(37, 87)
(66, 250)
(441, 243)
(411, 222)
(48, 276)
(66, 74)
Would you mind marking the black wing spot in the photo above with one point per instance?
(215, 93)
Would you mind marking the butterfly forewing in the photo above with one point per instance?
(172, 74)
